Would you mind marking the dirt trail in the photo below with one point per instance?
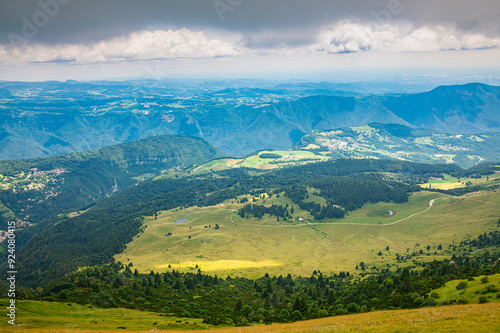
(334, 223)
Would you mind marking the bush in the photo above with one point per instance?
(322, 313)
(461, 285)
(483, 299)
(284, 314)
(296, 315)
(418, 301)
(434, 294)
(492, 288)
(485, 279)
(339, 312)
(246, 310)
(353, 307)
(462, 301)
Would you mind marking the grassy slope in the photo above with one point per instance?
(59, 317)
(40, 316)
(252, 247)
(472, 292)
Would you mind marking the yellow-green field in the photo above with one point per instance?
(45, 317)
(218, 165)
(472, 292)
(288, 157)
(251, 247)
(451, 182)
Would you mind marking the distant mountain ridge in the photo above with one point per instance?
(470, 108)
(44, 119)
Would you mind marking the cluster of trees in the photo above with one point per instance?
(269, 155)
(298, 194)
(353, 192)
(259, 210)
(320, 212)
(484, 240)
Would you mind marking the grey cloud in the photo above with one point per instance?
(264, 22)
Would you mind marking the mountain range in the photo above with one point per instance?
(45, 119)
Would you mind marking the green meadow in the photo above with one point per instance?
(251, 247)
(42, 316)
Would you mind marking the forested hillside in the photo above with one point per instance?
(35, 189)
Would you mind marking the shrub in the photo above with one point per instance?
(462, 301)
(353, 307)
(418, 301)
(492, 288)
(485, 279)
(483, 299)
(246, 310)
(284, 314)
(296, 315)
(339, 312)
(461, 285)
(321, 313)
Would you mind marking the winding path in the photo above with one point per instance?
(335, 223)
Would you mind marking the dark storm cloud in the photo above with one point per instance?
(262, 22)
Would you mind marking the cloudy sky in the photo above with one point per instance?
(105, 39)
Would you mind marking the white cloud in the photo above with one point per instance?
(142, 45)
(353, 37)
(342, 37)
(348, 36)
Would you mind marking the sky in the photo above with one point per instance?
(121, 39)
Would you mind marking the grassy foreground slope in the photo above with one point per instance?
(468, 291)
(251, 247)
(41, 317)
